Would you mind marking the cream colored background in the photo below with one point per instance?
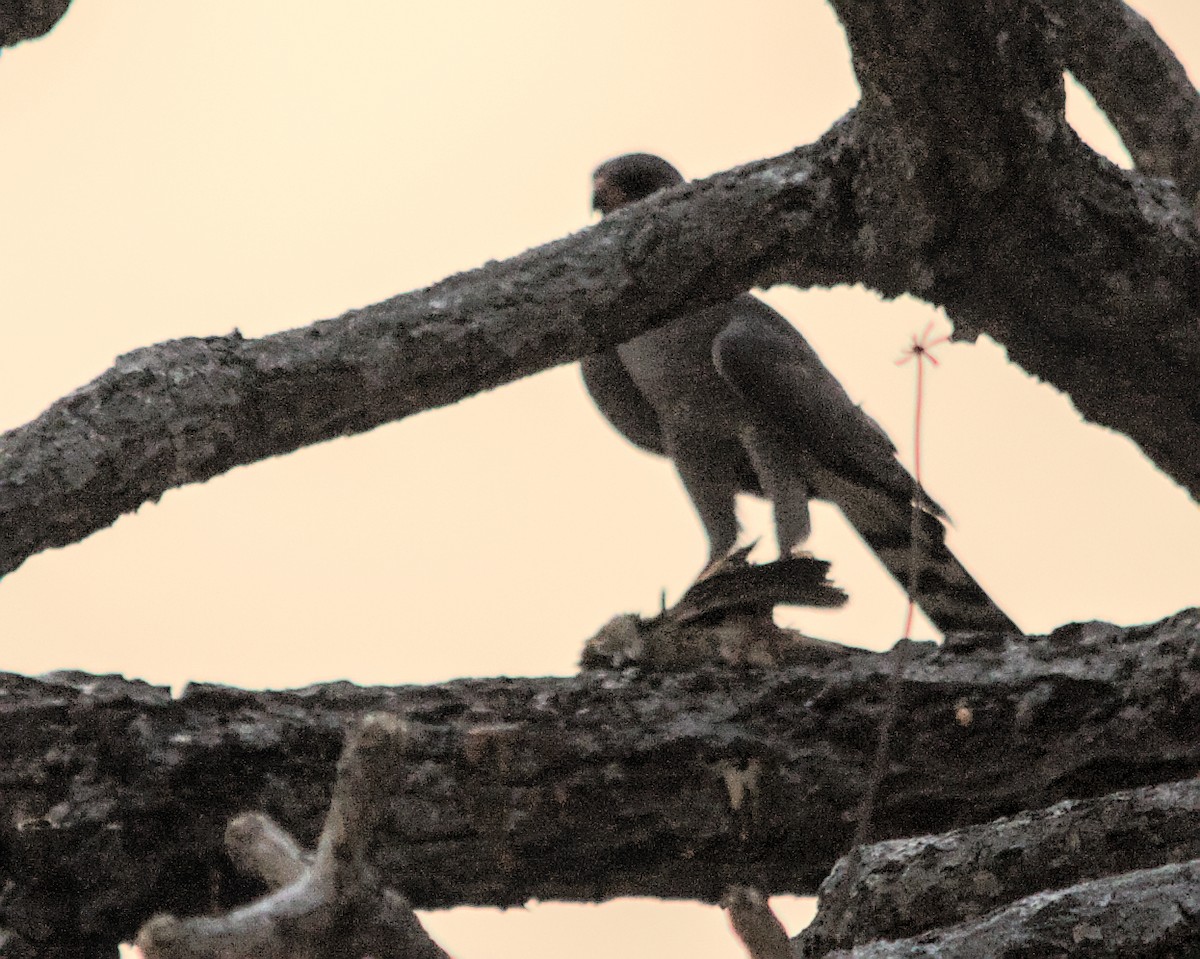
(178, 169)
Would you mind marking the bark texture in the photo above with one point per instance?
(1151, 914)
(957, 179)
(330, 905)
(1139, 84)
(974, 193)
(907, 887)
(184, 411)
(584, 788)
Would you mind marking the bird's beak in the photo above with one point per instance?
(605, 196)
(598, 185)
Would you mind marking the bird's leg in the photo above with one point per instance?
(792, 520)
(713, 498)
(787, 491)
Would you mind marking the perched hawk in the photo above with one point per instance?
(735, 397)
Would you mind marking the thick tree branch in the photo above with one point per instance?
(906, 887)
(1149, 914)
(601, 785)
(882, 893)
(975, 194)
(184, 411)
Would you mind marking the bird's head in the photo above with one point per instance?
(629, 178)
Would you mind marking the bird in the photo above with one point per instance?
(737, 399)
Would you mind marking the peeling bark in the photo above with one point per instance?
(583, 788)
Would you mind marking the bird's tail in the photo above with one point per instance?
(939, 584)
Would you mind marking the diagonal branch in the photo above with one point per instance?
(184, 411)
(906, 887)
(1148, 914)
(1139, 83)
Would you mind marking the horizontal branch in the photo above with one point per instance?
(583, 788)
(906, 887)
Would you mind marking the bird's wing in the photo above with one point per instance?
(770, 365)
(618, 398)
(779, 376)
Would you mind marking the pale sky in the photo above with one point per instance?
(181, 169)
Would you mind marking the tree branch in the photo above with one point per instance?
(975, 194)
(581, 788)
(184, 411)
(755, 924)
(1139, 83)
(329, 906)
(907, 887)
(1149, 914)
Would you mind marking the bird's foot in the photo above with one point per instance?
(734, 559)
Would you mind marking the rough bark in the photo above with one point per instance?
(330, 905)
(957, 179)
(907, 887)
(584, 788)
(184, 411)
(1139, 84)
(975, 194)
(1150, 914)
(28, 19)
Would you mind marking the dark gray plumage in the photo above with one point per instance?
(740, 402)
